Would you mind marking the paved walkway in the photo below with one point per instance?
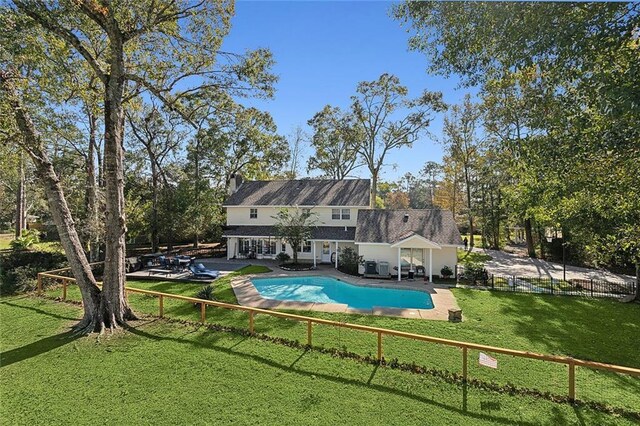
(512, 264)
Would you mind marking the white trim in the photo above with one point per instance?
(418, 236)
(373, 244)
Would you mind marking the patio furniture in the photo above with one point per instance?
(201, 268)
(166, 272)
(199, 274)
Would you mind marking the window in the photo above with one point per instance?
(253, 213)
(305, 247)
(335, 214)
(284, 247)
(346, 214)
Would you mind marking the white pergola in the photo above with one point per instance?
(416, 241)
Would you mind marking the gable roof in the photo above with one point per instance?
(307, 192)
(389, 226)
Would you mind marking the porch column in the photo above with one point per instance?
(336, 255)
(313, 245)
(399, 266)
(430, 265)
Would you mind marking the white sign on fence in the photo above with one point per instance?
(488, 361)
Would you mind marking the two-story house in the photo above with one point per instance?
(411, 239)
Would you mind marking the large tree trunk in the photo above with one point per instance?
(20, 200)
(91, 197)
(467, 181)
(374, 189)
(531, 250)
(114, 300)
(32, 144)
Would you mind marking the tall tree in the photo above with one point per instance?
(335, 141)
(168, 50)
(461, 131)
(294, 226)
(297, 139)
(388, 120)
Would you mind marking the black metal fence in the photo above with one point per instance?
(543, 285)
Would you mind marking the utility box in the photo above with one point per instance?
(383, 268)
(370, 267)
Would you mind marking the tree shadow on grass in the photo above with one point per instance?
(558, 415)
(36, 348)
(38, 311)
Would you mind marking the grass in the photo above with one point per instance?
(5, 239)
(48, 246)
(600, 330)
(166, 373)
(472, 257)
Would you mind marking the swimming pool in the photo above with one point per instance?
(332, 290)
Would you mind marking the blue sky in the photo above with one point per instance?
(322, 50)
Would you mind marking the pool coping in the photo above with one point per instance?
(443, 298)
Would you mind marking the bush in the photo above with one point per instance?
(446, 272)
(26, 240)
(348, 261)
(19, 269)
(206, 293)
(283, 257)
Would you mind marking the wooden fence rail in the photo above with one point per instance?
(572, 363)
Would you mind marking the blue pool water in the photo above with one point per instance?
(331, 290)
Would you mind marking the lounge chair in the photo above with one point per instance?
(200, 267)
(200, 274)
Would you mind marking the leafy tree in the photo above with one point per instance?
(460, 131)
(171, 52)
(388, 119)
(335, 140)
(294, 226)
(397, 200)
(297, 139)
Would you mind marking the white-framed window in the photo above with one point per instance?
(346, 214)
(253, 213)
(335, 214)
(305, 247)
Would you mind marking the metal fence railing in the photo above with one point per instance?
(543, 285)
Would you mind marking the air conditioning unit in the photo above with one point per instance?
(370, 267)
(383, 268)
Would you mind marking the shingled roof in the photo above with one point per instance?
(307, 192)
(391, 226)
(329, 233)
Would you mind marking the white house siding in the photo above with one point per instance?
(386, 253)
(237, 216)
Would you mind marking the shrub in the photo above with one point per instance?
(19, 269)
(348, 261)
(206, 293)
(26, 240)
(446, 272)
(283, 257)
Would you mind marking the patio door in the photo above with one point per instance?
(326, 252)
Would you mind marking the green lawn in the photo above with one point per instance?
(168, 373)
(5, 239)
(600, 330)
(472, 256)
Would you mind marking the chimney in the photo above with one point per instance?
(235, 182)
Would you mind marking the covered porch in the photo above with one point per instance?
(415, 253)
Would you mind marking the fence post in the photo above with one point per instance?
(572, 380)
(464, 364)
(492, 283)
(64, 289)
(39, 284)
(203, 312)
(161, 301)
(251, 322)
(591, 287)
(309, 328)
(379, 346)
(551, 285)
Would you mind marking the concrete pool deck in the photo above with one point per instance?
(443, 298)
